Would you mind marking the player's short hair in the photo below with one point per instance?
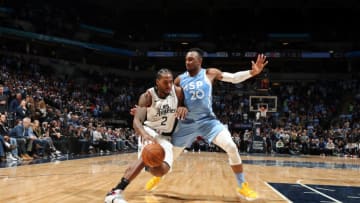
(197, 50)
(163, 71)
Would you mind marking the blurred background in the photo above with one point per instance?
(88, 61)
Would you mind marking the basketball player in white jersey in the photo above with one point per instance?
(155, 118)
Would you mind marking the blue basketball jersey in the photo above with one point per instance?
(200, 120)
(197, 92)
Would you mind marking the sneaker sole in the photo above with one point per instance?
(152, 188)
(246, 198)
(155, 185)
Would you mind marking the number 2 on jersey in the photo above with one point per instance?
(163, 120)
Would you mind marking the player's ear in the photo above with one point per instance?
(157, 82)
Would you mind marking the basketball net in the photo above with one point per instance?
(261, 113)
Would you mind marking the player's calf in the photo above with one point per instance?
(158, 173)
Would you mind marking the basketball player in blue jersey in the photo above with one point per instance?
(196, 83)
(154, 120)
(197, 86)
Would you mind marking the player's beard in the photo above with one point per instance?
(192, 69)
(163, 93)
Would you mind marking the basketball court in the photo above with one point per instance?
(196, 177)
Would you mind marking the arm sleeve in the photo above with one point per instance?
(236, 77)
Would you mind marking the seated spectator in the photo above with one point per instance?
(339, 147)
(25, 138)
(322, 146)
(200, 144)
(99, 140)
(2, 151)
(280, 146)
(3, 100)
(22, 111)
(9, 143)
(330, 147)
(350, 149)
(45, 140)
(60, 141)
(15, 102)
(314, 146)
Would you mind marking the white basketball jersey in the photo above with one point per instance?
(160, 115)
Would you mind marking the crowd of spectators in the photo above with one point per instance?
(314, 117)
(46, 115)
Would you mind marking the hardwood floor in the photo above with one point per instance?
(196, 177)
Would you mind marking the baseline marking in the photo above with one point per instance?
(318, 192)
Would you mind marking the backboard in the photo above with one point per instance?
(269, 102)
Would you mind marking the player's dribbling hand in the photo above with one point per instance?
(259, 65)
(148, 139)
(181, 112)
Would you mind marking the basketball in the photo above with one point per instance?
(153, 155)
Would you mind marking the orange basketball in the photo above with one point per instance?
(153, 154)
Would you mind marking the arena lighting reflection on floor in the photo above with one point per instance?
(281, 163)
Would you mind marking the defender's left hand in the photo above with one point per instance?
(181, 112)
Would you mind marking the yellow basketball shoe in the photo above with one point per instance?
(246, 193)
(152, 183)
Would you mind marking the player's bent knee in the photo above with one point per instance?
(232, 151)
(224, 140)
(160, 170)
(231, 148)
(138, 164)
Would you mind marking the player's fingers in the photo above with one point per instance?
(181, 113)
(149, 139)
(179, 116)
(263, 58)
(185, 111)
(178, 113)
(266, 62)
(133, 111)
(153, 140)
